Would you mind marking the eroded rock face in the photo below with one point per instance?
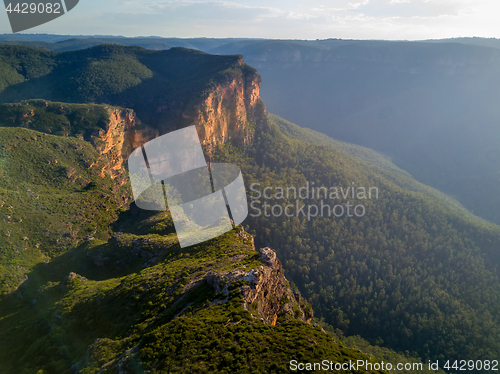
(123, 133)
(267, 294)
(229, 111)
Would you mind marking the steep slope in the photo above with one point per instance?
(412, 273)
(129, 299)
(124, 296)
(384, 165)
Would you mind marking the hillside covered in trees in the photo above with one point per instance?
(108, 289)
(414, 273)
(393, 261)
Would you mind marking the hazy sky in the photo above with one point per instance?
(300, 19)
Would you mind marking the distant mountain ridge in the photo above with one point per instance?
(66, 42)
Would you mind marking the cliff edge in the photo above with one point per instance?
(265, 290)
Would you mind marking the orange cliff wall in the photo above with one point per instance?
(228, 111)
(123, 133)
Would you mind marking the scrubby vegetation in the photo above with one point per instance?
(163, 318)
(50, 199)
(82, 121)
(108, 286)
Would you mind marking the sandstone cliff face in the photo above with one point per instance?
(229, 111)
(267, 294)
(123, 133)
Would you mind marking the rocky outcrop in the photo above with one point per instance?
(266, 293)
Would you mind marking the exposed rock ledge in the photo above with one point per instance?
(267, 294)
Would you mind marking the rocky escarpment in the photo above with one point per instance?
(167, 91)
(225, 108)
(230, 110)
(266, 294)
